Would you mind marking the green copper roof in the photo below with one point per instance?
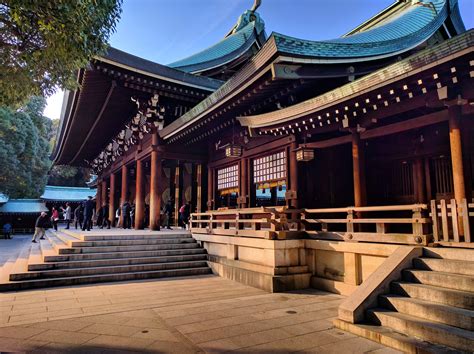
(67, 194)
(23, 206)
(248, 30)
(411, 26)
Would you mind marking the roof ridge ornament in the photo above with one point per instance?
(256, 5)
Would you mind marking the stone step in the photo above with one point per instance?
(136, 242)
(69, 281)
(77, 272)
(459, 254)
(393, 339)
(445, 265)
(56, 243)
(115, 255)
(116, 262)
(66, 238)
(106, 249)
(450, 315)
(420, 328)
(450, 297)
(112, 234)
(442, 279)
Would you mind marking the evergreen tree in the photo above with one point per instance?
(24, 150)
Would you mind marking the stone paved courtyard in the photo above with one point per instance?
(180, 315)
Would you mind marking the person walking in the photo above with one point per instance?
(126, 215)
(67, 215)
(78, 216)
(105, 216)
(88, 211)
(7, 231)
(55, 218)
(168, 213)
(182, 216)
(40, 227)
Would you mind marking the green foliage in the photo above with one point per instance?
(68, 176)
(43, 43)
(24, 150)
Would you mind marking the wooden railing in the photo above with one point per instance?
(405, 224)
(268, 223)
(452, 221)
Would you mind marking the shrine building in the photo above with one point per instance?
(305, 163)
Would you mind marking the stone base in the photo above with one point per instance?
(260, 276)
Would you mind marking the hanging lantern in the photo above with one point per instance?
(304, 154)
(233, 150)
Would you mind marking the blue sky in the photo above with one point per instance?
(167, 30)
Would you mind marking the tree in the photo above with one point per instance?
(43, 43)
(24, 150)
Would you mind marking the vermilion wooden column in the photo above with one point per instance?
(456, 157)
(456, 152)
(123, 191)
(140, 197)
(210, 188)
(98, 197)
(104, 193)
(177, 201)
(294, 172)
(358, 170)
(112, 199)
(419, 177)
(199, 188)
(155, 176)
(243, 182)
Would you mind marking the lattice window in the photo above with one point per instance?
(442, 175)
(228, 177)
(270, 168)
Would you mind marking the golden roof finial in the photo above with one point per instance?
(256, 5)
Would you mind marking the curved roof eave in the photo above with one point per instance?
(438, 54)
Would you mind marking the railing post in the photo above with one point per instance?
(464, 209)
(444, 220)
(455, 220)
(434, 218)
(417, 225)
(350, 218)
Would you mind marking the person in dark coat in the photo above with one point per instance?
(105, 216)
(79, 216)
(7, 230)
(40, 227)
(88, 211)
(168, 213)
(126, 208)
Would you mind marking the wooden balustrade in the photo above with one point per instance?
(268, 223)
(405, 224)
(452, 221)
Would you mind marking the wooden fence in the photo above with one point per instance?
(452, 221)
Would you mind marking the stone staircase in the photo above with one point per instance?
(68, 257)
(431, 309)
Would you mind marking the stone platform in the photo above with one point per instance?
(175, 315)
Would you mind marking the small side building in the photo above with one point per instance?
(21, 213)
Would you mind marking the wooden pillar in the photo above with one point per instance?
(177, 200)
(210, 189)
(155, 179)
(456, 152)
(123, 191)
(293, 173)
(358, 170)
(104, 193)
(112, 199)
(456, 158)
(243, 183)
(98, 198)
(140, 197)
(199, 188)
(419, 179)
